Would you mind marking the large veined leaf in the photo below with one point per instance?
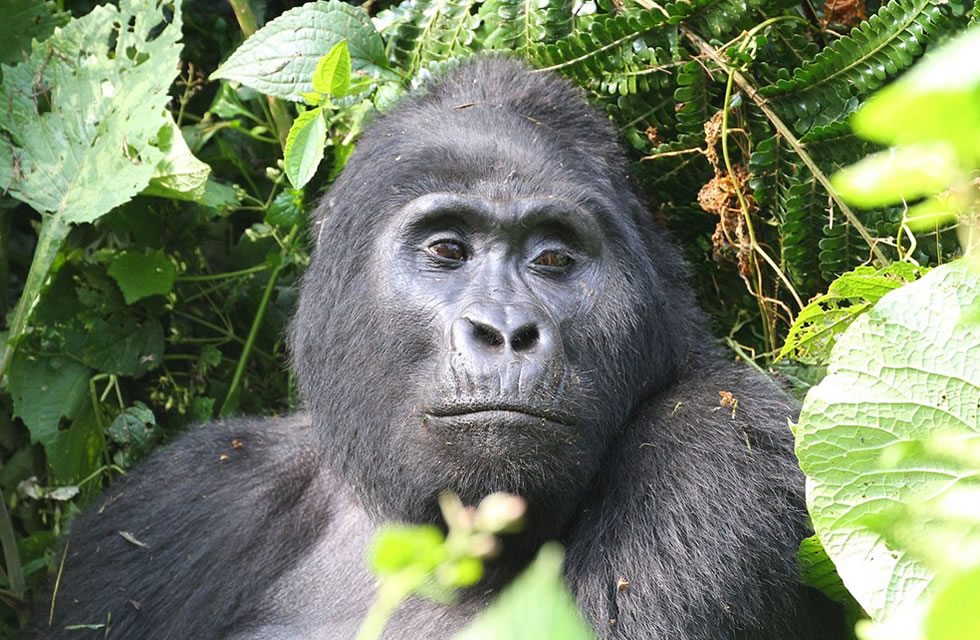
(86, 109)
(279, 59)
(45, 390)
(905, 371)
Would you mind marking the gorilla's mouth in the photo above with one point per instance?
(486, 412)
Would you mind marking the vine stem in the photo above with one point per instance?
(11, 558)
(257, 323)
(791, 140)
(391, 593)
(743, 204)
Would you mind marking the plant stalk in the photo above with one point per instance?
(256, 324)
(249, 24)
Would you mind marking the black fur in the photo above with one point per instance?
(618, 439)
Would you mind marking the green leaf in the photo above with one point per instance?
(75, 452)
(99, 124)
(108, 96)
(332, 74)
(898, 175)
(133, 427)
(905, 370)
(24, 20)
(141, 275)
(954, 614)
(45, 390)
(279, 59)
(536, 605)
(179, 175)
(229, 105)
(937, 100)
(286, 210)
(304, 146)
(122, 345)
(397, 547)
(821, 322)
(819, 571)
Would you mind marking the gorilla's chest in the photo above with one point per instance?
(326, 596)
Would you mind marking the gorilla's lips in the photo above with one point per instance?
(496, 412)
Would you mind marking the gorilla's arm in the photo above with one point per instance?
(696, 518)
(187, 545)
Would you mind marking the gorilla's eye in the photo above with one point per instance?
(448, 250)
(553, 259)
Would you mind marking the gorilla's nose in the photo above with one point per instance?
(503, 330)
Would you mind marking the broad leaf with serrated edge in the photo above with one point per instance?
(279, 59)
(905, 370)
(107, 105)
(304, 146)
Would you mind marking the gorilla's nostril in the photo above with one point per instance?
(487, 335)
(525, 338)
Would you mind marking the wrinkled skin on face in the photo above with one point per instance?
(491, 300)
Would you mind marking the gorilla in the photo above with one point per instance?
(489, 307)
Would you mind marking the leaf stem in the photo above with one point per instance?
(54, 230)
(227, 274)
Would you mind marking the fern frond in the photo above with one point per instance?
(783, 46)
(602, 49)
(430, 31)
(519, 25)
(804, 204)
(828, 88)
(718, 18)
(834, 146)
(675, 171)
(696, 97)
(769, 166)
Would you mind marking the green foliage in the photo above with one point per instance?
(419, 560)
(279, 60)
(826, 89)
(304, 146)
(820, 323)
(427, 31)
(45, 390)
(906, 370)
(938, 146)
(26, 20)
(536, 605)
(140, 275)
(308, 134)
(92, 114)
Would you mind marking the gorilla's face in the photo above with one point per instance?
(482, 312)
(497, 287)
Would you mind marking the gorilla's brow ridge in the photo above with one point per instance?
(582, 219)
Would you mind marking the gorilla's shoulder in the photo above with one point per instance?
(261, 457)
(723, 405)
(211, 507)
